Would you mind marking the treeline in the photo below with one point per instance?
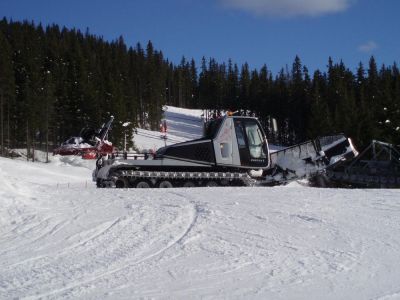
(364, 105)
(54, 81)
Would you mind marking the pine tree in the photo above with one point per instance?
(7, 92)
(298, 102)
(396, 103)
(372, 101)
(281, 96)
(264, 107)
(193, 85)
(244, 94)
(232, 87)
(320, 117)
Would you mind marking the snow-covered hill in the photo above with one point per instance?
(182, 125)
(60, 237)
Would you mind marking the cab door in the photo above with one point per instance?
(252, 144)
(223, 143)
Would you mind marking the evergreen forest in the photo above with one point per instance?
(55, 81)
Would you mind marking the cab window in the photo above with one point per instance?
(255, 140)
(239, 130)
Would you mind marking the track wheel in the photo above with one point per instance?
(224, 182)
(189, 184)
(165, 184)
(99, 183)
(121, 183)
(211, 183)
(142, 184)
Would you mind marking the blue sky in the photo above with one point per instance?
(254, 31)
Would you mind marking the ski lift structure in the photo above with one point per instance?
(378, 166)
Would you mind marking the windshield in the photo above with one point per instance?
(256, 140)
(249, 135)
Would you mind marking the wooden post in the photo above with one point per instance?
(8, 127)
(47, 131)
(27, 141)
(33, 147)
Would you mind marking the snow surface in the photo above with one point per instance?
(60, 237)
(182, 125)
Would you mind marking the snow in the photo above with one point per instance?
(182, 125)
(61, 238)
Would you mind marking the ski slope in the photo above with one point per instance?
(182, 125)
(61, 238)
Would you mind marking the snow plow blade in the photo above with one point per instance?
(308, 159)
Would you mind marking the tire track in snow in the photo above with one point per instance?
(196, 210)
(103, 227)
(38, 228)
(389, 296)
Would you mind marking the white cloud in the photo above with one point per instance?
(368, 47)
(289, 8)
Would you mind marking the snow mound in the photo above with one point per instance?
(195, 113)
(73, 161)
(57, 160)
